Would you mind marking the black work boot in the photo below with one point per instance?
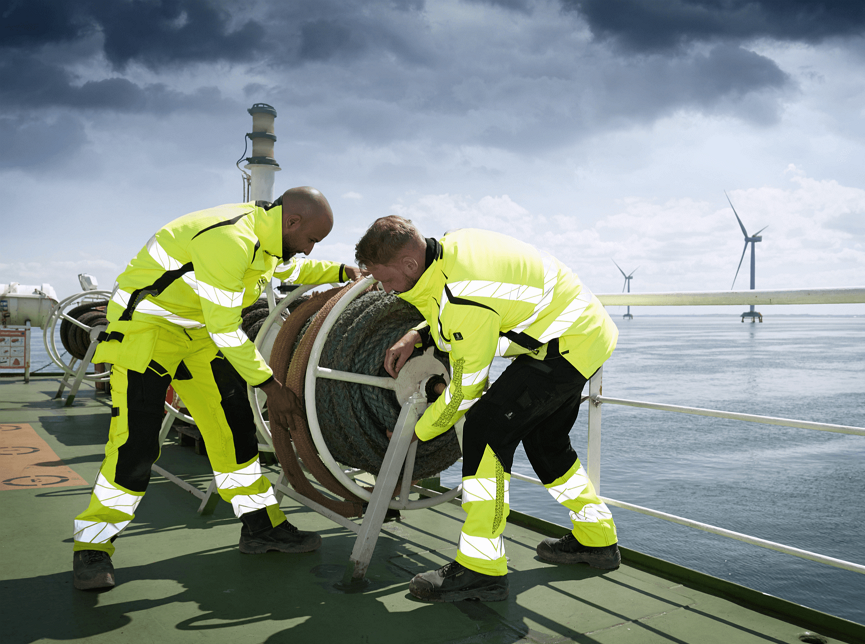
(569, 550)
(454, 582)
(283, 538)
(92, 569)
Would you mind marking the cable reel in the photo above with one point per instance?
(330, 353)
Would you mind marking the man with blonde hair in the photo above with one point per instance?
(484, 294)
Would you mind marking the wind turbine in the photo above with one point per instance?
(627, 316)
(749, 239)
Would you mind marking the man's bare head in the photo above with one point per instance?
(306, 220)
(393, 250)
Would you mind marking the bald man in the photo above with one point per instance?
(175, 318)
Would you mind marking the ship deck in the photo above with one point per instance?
(181, 577)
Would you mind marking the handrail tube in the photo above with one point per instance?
(852, 295)
(766, 420)
(763, 543)
(771, 545)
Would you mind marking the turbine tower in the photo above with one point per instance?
(749, 239)
(627, 316)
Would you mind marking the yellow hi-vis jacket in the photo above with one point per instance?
(200, 270)
(485, 294)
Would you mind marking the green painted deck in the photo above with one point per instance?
(181, 577)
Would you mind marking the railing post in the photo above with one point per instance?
(594, 455)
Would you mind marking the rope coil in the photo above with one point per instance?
(353, 418)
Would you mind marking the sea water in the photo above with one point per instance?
(798, 487)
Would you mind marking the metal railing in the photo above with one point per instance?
(597, 400)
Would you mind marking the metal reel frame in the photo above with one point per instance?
(48, 333)
(256, 398)
(264, 343)
(404, 426)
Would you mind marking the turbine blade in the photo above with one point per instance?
(760, 231)
(624, 285)
(634, 271)
(620, 270)
(740, 265)
(741, 225)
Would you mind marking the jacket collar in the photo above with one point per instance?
(434, 251)
(268, 229)
(431, 282)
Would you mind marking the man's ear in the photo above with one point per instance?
(410, 265)
(292, 222)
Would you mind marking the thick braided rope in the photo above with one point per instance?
(283, 437)
(354, 418)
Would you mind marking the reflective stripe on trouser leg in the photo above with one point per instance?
(110, 511)
(593, 521)
(246, 488)
(216, 399)
(485, 500)
(132, 448)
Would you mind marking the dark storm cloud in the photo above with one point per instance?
(151, 32)
(332, 30)
(523, 6)
(654, 26)
(27, 83)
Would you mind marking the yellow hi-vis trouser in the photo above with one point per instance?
(153, 357)
(536, 403)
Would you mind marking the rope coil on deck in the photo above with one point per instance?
(354, 418)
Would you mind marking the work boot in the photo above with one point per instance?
(283, 538)
(454, 582)
(92, 569)
(569, 550)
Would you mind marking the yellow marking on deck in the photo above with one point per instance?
(27, 462)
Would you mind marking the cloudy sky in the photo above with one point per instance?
(599, 130)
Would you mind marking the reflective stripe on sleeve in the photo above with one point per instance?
(229, 340)
(294, 273)
(220, 296)
(466, 403)
(160, 256)
(497, 290)
(476, 378)
(503, 345)
(567, 317)
(191, 281)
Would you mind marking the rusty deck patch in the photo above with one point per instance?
(26, 461)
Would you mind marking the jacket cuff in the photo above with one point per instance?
(426, 340)
(260, 385)
(342, 275)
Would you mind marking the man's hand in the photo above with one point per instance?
(399, 353)
(282, 404)
(352, 272)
